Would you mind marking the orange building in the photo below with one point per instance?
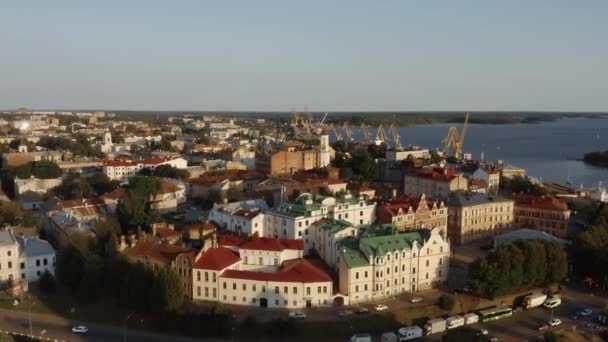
(413, 212)
(547, 213)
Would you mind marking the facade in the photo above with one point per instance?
(124, 169)
(261, 272)
(380, 266)
(294, 220)
(9, 257)
(415, 153)
(328, 235)
(435, 183)
(411, 212)
(169, 196)
(546, 213)
(491, 176)
(474, 216)
(36, 256)
(244, 217)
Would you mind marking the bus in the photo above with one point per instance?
(492, 314)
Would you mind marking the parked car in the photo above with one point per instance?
(362, 311)
(415, 300)
(345, 313)
(297, 315)
(80, 329)
(555, 322)
(586, 312)
(494, 339)
(361, 338)
(483, 331)
(552, 302)
(380, 307)
(542, 327)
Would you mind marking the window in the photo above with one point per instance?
(244, 299)
(213, 276)
(245, 261)
(37, 262)
(285, 290)
(9, 253)
(206, 277)
(263, 288)
(427, 275)
(260, 261)
(356, 288)
(413, 270)
(427, 263)
(276, 302)
(308, 291)
(319, 289)
(244, 287)
(285, 302)
(365, 287)
(10, 264)
(224, 285)
(324, 289)
(365, 274)
(206, 292)
(214, 292)
(356, 274)
(234, 286)
(22, 265)
(276, 261)
(198, 291)
(276, 289)
(234, 298)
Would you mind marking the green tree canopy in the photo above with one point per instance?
(167, 294)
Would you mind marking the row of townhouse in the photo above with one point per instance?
(122, 170)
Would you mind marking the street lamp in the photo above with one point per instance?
(124, 331)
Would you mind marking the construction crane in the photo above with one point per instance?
(295, 120)
(347, 131)
(366, 135)
(455, 139)
(396, 138)
(381, 136)
(324, 116)
(336, 133)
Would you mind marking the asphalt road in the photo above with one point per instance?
(53, 328)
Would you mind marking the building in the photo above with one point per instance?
(412, 153)
(328, 235)
(244, 217)
(9, 260)
(294, 220)
(294, 158)
(122, 170)
(545, 213)
(411, 212)
(434, 183)
(170, 194)
(473, 216)
(36, 256)
(70, 217)
(380, 266)
(21, 158)
(160, 255)
(263, 272)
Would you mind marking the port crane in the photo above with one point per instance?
(396, 138)
(336, 133)
(381, 136)
(366, 134)
(455, 139)
(347, 131)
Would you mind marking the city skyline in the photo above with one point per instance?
(272, 56)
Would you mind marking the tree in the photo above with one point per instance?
(102, 184)
(167, 294)
(519, 184)
(145, 185)
(70, 265)
(46, 169)
(115, 276)
(135, 292)
(47, 283)
(363, 165)
(447, 302)
(590, 253)
(91, 282)
(168, 171)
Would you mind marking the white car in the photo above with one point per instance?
(555, 322)
(380, 307)
(80, 329)
(483, 331)
(415, 300)
(297, 315)
(586, 312)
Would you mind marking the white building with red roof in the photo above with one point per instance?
(122, 169)
(546, 213)
(244, 217)
(264, 272)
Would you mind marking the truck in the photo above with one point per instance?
(435, 325)
(388, 337)
(534, 300)
(454, 322)
(470, 318)
(409, 333)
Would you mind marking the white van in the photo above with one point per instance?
(409, 333)
(454, 322)
(361, 338)
(470, 318)
(388, 337)
(552, 302)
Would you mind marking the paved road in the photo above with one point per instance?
(54, 328)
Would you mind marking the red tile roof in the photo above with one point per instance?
(272, 244)
(230, 240)
(216, 259)
(540, 202)
(114, 163)
(292, 271)
(443, 175)
(160, 252)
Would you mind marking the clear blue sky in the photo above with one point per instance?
(329, 55)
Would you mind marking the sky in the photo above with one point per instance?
(324, 55)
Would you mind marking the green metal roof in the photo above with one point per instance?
(380, 230)
(349, 252)
(332, 225)
(380, 245)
